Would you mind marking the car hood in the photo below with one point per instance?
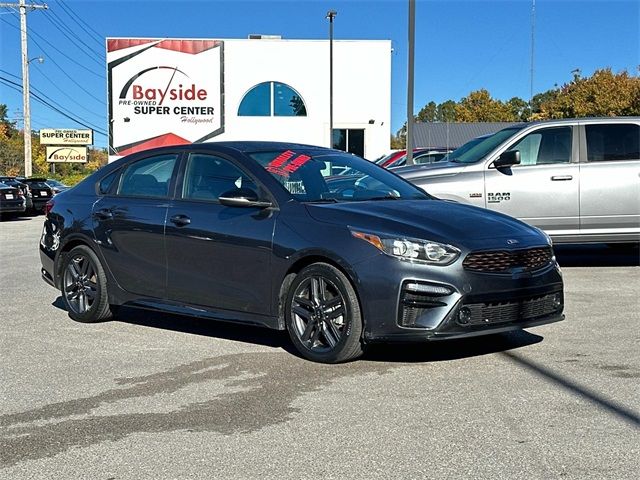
(463, 226)
(439, 168)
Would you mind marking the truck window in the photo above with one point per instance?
(611, 142)
(545, 146)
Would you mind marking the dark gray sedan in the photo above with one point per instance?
(260, 233)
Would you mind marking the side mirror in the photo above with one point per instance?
(242, 197)
(508, 158)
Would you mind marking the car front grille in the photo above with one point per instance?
(512, 311)
(500, 261)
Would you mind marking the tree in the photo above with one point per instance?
(604, 94)
(7, 128)
(428, 113)
(447, 111)
(519, 109)
(478, 106)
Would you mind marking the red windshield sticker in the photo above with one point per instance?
(277, 162)
(279, 165)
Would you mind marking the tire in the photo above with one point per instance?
(84, 286)
(323, 316)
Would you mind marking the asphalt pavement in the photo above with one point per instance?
(166, 397)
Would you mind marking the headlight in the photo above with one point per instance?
(411, 249)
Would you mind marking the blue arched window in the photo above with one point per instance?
(272, 99)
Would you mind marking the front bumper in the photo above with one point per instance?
(454, 303)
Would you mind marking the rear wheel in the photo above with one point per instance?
(84, 286)
(323, 315)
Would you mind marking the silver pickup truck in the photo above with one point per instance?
(578, 180)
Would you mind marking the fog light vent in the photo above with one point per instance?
(417, 298)
(439, 290)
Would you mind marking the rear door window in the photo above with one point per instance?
(149, 177)
(613, 142)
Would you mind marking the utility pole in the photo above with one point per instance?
(412, 36)
(533, 43)
(25, 78)
(331, 14)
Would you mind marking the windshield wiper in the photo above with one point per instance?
(382, 197)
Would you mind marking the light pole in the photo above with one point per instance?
(412, 35)
(331, 14)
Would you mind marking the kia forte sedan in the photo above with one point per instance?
(257, 233)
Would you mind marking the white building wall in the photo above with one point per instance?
(362, 89)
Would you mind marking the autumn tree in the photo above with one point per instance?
(478, 106)
(604, 94)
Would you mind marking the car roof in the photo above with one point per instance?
(576, 120)
(259, 146)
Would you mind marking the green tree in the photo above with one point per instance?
(428, 113)
(447, 111)
(519, 109)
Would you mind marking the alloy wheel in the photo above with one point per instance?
(319, 314)
(80, 284)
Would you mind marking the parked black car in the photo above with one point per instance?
(24, 188)
(11, 199)
(250, 232)
(57, 186)
(41, 192)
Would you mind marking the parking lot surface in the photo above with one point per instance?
(159, 396)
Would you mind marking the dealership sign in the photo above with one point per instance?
(71, 154)
(163, 92)
(65, 136)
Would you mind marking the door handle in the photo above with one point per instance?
(103, 214)
(561, 178)
(180, 220)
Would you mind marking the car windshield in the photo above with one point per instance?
(475, 150)
(309, 176)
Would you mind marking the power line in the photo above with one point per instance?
(73, 37)
(57, 50)
(69, 97)
(16, 86)
(99, 38)
(47, 97)
(70, 36)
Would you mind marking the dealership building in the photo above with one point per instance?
(177, 91)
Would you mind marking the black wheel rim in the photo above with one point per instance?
(80, 284)
(318, 313)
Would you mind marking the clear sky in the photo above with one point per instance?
(461, 46)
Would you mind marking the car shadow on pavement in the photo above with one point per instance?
(387, 352)
(451, 349)
(597, 255)
(205, 327)
(4, 218)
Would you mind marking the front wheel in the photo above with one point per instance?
(323, 315)
(84, 286)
